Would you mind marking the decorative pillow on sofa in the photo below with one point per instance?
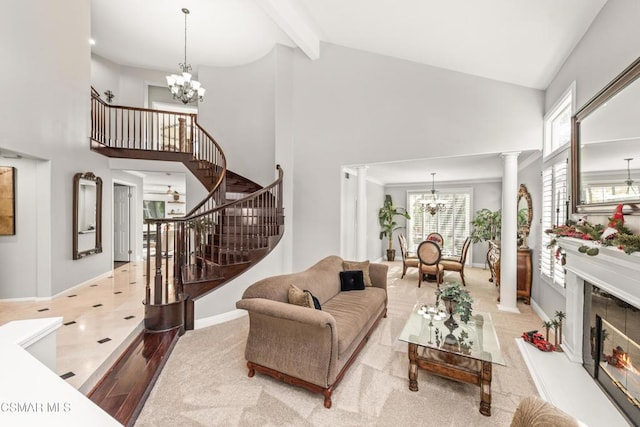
(303, 298)
(351, 280)
(355, 265)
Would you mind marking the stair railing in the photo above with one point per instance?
(215, 232)
(144, 129)
(236, 232)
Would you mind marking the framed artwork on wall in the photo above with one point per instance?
(7, 201)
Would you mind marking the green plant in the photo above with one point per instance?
(386, 217)
(486, 225)
(462, 298)
(547, 325)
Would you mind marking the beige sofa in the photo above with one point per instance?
(307, 347)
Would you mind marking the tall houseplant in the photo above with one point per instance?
(486, 225)
(386, 217)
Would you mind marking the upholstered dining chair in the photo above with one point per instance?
(436, 237)
(457, 263)
(408, 259)
(429, 256)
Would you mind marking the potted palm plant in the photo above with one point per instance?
(386, 217)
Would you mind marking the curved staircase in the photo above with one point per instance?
(235, 226)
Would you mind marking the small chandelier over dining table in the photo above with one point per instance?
(433, 205)
(182, 87)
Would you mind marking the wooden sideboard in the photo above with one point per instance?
(524, 274)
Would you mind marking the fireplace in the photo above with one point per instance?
(602, 295)
(611, 347)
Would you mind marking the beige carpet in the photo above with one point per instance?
(205, 381)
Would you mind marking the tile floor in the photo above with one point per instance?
(98, 318)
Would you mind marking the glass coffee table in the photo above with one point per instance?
(464, 353)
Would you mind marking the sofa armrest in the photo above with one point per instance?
(378, 274)
(287, 311)
(298, 341)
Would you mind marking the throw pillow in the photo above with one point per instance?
(316, 301)
(351, 280)
(299, 297)
(355, 265)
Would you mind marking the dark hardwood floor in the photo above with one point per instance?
(123, 390)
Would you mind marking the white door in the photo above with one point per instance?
(121, 223)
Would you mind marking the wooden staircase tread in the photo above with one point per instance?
(123, 390)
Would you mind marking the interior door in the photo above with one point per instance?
(121, 223)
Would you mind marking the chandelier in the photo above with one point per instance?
(181, 86)
(433, 205)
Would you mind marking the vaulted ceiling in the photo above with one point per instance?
(516, 41)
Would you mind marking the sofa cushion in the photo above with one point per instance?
(322, 280)
(299, 297)
(351, 280)
(359, 265)
(352, 311)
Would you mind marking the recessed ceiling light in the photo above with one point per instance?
(92, 42)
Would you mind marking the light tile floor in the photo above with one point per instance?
(98, 318)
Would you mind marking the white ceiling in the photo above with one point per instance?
(447, 169)
(517, 41)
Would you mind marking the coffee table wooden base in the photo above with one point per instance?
(454, 366)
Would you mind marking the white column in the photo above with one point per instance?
(509, 241)
(361, 214)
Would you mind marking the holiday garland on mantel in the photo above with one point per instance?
(615, 234)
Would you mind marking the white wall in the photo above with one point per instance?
(607, 48)
(19, 249)
(239, 112)
(49, 119)
(354, 107)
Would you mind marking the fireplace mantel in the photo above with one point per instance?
(611, 270)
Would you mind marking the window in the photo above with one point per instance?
(555, 189)
(557, 124)
(554, 212)
(452, 223)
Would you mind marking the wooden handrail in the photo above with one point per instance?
(215, 232)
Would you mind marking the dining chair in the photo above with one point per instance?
(436, 237)
(408, 259)
(429, 256)
(457, 263)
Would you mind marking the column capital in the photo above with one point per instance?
(510, 154)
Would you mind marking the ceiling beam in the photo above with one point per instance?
(295, 23)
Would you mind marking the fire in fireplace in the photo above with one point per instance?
(611, 345)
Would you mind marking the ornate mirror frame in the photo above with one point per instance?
(523, 193)
(624, 79)
(84, 205)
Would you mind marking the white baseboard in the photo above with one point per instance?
(220, 318)
(49, 298)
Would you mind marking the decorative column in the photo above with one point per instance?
(361, 214)
(509, 242)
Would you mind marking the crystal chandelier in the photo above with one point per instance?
(434, 205)
(181, 86)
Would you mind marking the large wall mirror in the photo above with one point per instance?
(87, 215)
(605, 148)
(525, 215)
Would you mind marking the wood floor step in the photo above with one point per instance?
(123, 390)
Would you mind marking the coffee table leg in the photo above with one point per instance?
(485, 389)
(413, 367)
